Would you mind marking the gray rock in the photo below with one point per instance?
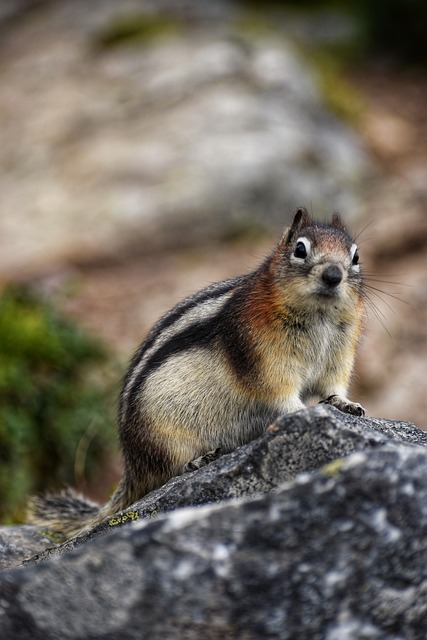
(336, 554)
(303, 441)
(18, 543)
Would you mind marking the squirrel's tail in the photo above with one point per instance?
(70, 513)
(67, 512)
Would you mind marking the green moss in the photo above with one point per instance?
(333, 469)
(127, 516)
(48, 400)
(136, 29)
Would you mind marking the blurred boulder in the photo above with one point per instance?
(132, 126)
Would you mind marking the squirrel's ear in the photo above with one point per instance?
(337, 222)
(301, 219)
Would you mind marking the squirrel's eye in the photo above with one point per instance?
(300, 250)
(355, 259)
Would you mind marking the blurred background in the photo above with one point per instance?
(150, 147)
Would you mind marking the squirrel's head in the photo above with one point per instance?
(319, 261)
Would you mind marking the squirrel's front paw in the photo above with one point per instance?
(345, 405)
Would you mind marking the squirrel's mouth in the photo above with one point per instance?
(327, 292)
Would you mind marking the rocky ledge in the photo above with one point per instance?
(316, 530)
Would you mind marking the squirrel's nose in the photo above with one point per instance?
(332, 275)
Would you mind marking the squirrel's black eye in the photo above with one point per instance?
(355, 257)
(300, 250)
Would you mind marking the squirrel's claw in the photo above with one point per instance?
(345, 405)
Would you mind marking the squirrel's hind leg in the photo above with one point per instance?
(203, 460)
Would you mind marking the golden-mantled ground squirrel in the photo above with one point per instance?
(219, 367)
